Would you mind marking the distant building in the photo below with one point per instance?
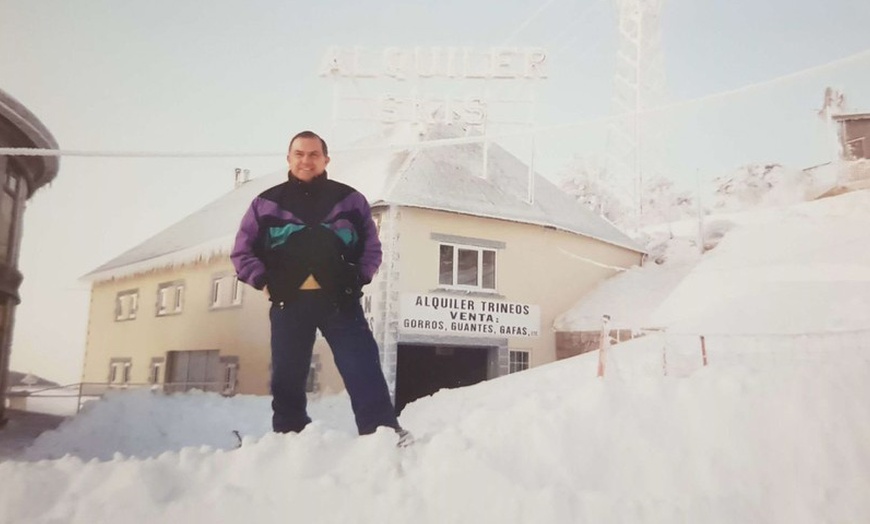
(852, 171)
(854, 133)
(20, 177)
(21, 385)
(476, 268)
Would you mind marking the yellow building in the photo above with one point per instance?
(478, 262)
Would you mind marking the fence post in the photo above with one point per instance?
(703, 350)
(603, 344)
(79, 401)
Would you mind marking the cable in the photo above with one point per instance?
(527, 21)
(12, 151)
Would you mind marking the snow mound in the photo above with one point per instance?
(143, 423)
(726, 443)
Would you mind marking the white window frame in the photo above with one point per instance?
(179, 298)
(126, 304)
(465, 287)
(226, 291)
(237, 288)
(170, 298)
(216, 292)
(155, 372)
(231, 377)
(161, 301)
(12, 183)
(122, 365)
(516, 365)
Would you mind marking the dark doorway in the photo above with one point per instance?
(423, 370)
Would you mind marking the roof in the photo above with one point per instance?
(400, 168)
(851, 116)
(25, 130)
(17, 379)
(629, 299)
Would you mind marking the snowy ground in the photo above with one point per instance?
(741, 440)
(775, 429)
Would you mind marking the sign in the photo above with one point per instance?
(435, 62)
(422, 313)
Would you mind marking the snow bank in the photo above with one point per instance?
(728, 443)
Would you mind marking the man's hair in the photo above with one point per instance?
(310, 134)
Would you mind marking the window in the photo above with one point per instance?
(855, 149)
(216, 292)
(226, 291)
(126, 304)
(230, 366)
(519, 361)
(156, 370)
(194, 369)
(237, 291)
(12, 183)
(11, 198)
(466, 267)
(170, 298)
(120, 370)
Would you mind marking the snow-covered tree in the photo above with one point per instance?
(593, 186)
(755, 185)
(662, 202)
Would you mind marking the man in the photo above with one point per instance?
(311, 244)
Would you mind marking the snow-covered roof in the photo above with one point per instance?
(804, 268)
(629, 298)
(27, 131)
(444, 177)
(851, 116)
(17, 379)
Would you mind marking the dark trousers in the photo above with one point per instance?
(356, 356)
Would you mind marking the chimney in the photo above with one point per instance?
(242, 176)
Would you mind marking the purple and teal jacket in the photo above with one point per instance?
(295, 229)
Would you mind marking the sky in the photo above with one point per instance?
(168, 76)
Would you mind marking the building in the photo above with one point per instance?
(20, 177)
(854, 133)
(477, 265)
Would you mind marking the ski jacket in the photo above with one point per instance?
(295, 229)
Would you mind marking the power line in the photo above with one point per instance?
(527, 21)
(24, 151)
(13, 151)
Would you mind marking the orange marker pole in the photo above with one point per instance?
(703, 350)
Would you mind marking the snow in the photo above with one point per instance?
(803, 268)
(730, 442)
(774, 428)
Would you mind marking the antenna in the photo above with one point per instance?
(639, 83)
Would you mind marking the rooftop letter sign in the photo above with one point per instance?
(435, 62)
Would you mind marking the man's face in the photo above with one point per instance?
(306, 158)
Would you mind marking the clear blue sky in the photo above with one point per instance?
(171, 75)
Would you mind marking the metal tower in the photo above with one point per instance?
(638, 85)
